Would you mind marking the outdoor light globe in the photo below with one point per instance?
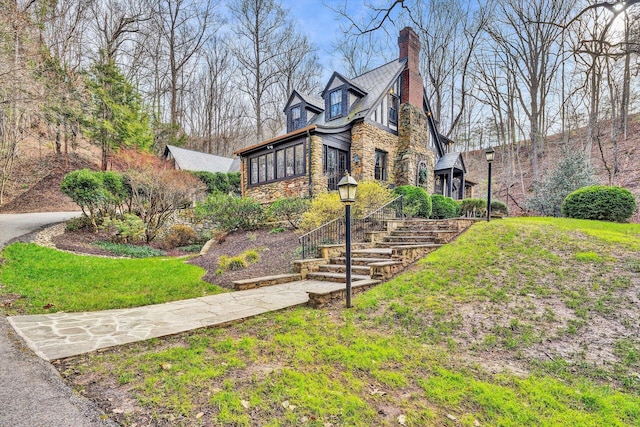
(347, 188)
(490, 153)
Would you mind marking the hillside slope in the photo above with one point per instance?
(512, 183)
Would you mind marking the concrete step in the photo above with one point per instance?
(341, 268)
(336, 277)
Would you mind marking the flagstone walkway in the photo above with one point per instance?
(59, 335)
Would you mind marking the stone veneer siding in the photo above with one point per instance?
(289, 187)
(365, 139)
(413, 147)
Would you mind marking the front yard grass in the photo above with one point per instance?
(519, 322)
(36, 280)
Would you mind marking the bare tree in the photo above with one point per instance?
(528, 32)
(260, 27)
(184, 27)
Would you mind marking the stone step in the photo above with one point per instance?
(258, 282)
(341, 268)
(336, 277)
(409, 239)
(372, 252)
(397, 246)
(414, 232)
(357, 260)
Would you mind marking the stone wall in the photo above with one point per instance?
(365, 139)
(289, 187)
(413, 147)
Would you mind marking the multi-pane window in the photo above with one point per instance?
(277, 164)
(296, 118)
(380, 172)
(335, 102)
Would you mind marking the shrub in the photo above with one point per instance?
(86, 188)
(127, 229)
(290, 209)
(78, 223)
(236, 263)
(600, 202)
(324, 208)
(475, 208)
(220, 182)
(573, 171)
(370, 196)
(230, 212)
(180, 235)
(443, 207)
(417, 202)
(498, 206)
(157, 193)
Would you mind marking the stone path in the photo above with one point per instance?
(60, 335)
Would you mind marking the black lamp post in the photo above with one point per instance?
(490, 153)
(347, 190)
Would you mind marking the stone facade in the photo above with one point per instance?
(413, 148)
(366, 138)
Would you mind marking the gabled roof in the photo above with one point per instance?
(317, 105)
(353, 85)
(197, 161)
(375, 83)
(451, 161)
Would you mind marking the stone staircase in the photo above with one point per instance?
(389, 253)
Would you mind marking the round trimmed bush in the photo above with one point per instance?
(601, 203)
(417, 202)
(498, 206)
(444, 207)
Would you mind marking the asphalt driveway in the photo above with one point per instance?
(32, 393)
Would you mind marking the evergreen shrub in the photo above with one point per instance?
(443, 207)
(229, 212)
(599, 202)
(417, 202)
(289, 210)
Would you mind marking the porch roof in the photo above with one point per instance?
(277, 139)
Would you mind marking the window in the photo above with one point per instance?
(380, 172)
(277, 164)
(296, 118)
(393, 109)
(335, 104)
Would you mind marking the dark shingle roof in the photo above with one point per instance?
(448, 161)
(197, 161)
(376, 83)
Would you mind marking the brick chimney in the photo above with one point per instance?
(412, 87)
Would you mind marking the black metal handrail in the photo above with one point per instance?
(333, 232)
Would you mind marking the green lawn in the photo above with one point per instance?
(519, 322)
(47, 280)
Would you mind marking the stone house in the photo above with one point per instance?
(377, 126)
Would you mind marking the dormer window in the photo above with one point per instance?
(335, 106)
(296, 118)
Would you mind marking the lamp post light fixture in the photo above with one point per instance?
(490, 153)
(347, 190)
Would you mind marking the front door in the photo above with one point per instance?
(335, 163)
